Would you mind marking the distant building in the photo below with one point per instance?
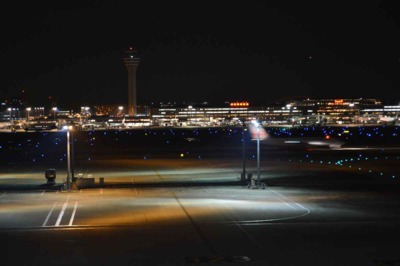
(108, 110)
(298, 112)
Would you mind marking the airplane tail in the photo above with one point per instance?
(254, 132)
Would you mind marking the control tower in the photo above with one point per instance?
(131, 61)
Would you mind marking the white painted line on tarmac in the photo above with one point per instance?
(73, 213)
(298, 204)
(48, 215)
(287, 204)
(136, 191)
(263, 221)
(43, 193)
(3, 194)
(61, 213)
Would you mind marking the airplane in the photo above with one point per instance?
(388, 120)
(5, 125)
(112, 124)
(40, 125)
(306, 142)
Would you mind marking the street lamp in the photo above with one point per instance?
(10, 109)
(255, 123)
(120, 108)
(69, 158)
(28, 109)
(244, 151)
(54, 109)
(259, 132)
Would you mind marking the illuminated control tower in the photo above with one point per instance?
(131, 61)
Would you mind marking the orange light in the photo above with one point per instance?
(238, 104)
(327, 137)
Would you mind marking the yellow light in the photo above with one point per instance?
(182, 154)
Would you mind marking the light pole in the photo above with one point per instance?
(54, 110)
(258, 155)
(257, 125)
(69, 158)
(28, 109)
(244, 152)
(10, 109)
(72, 158)
(120, 108)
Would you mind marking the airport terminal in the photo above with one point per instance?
(294, 113)
(15, 114)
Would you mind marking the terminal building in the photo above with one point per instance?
(302, 112)
(297, 112)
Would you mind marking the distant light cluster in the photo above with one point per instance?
(239, 104)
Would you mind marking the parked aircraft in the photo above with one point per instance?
(388, 120)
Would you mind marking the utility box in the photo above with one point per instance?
(50, 175)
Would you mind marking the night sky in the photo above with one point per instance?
(197, 51)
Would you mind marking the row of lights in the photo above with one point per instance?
(239, 104)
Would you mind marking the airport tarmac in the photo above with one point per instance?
(319, 207)
(189, 214)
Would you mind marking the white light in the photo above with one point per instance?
(255, 122)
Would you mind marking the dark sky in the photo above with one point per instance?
(196, 51)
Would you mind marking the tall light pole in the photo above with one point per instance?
(72, 158)
(69, 159)
(54, 110)
(258, 155)
(10, 109)
(244, 152)
(28, 109)
(257, 125)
